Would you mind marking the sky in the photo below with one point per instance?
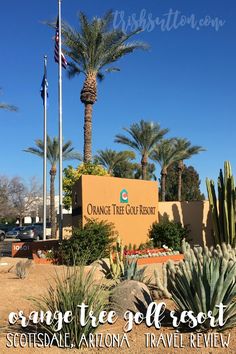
(186, 81)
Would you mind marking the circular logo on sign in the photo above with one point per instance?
(124, 196)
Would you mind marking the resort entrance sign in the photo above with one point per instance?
(132, 205)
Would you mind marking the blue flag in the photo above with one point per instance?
(44, 85)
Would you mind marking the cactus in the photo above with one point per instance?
(206, 278)
(160, 288)
(131, 271)
(223, 211)
(117, 261)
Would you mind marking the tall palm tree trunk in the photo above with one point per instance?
(88, 97)
(144, 167)
(163, 186)
(52, 201)
(180, 172)
(88, 132)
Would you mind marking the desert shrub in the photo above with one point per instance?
(87, 244)
(205, 279)
(66, 293)
(22, 269)
(168, 233)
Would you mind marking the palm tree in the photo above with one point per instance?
(166, 153)
(68, 153)
(144, 136)
(93, 50)
(150, 171)
(110, 159)
(188, 151)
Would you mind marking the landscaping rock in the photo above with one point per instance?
(102, 265)
(130, 295)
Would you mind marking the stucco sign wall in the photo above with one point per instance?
(132, 205)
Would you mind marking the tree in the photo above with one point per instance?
(190, 184)
(93, 50)
(71, 175)
(6, 207)
(68, 153)
(188, 151)
(18, 199)
(126, 169)
(143, 138)
(110, 159)
(150, 171)
(24, 198)
(165, 154)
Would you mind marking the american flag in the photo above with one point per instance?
(56, 50)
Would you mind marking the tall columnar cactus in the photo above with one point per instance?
(117, 261)
(206, 278)
(161, 286)
(223, 210)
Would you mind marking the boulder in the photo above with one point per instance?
(130, 295)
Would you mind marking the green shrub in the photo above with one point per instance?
(169, 233)
(87, 244)
(65, 293)
(205, 279)
(71, 175)
(146, 245)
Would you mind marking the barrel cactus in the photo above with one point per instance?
(223, 210)
(204, 279)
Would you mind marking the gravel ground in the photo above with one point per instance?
(15, 293)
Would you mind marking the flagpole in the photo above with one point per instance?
(45, 149)
(60, 122)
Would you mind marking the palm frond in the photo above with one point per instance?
(8, 107)
(96, 44)
(68, 152)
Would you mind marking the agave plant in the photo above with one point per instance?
(205, 279)
(131, 271)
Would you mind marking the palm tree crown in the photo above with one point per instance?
(166, 153)
(96, 46)
(110, 158)
(93, 50)
(68, 153)
(143, 138)
(188, 151)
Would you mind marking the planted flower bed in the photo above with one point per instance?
(156, 255)
(42, 257)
